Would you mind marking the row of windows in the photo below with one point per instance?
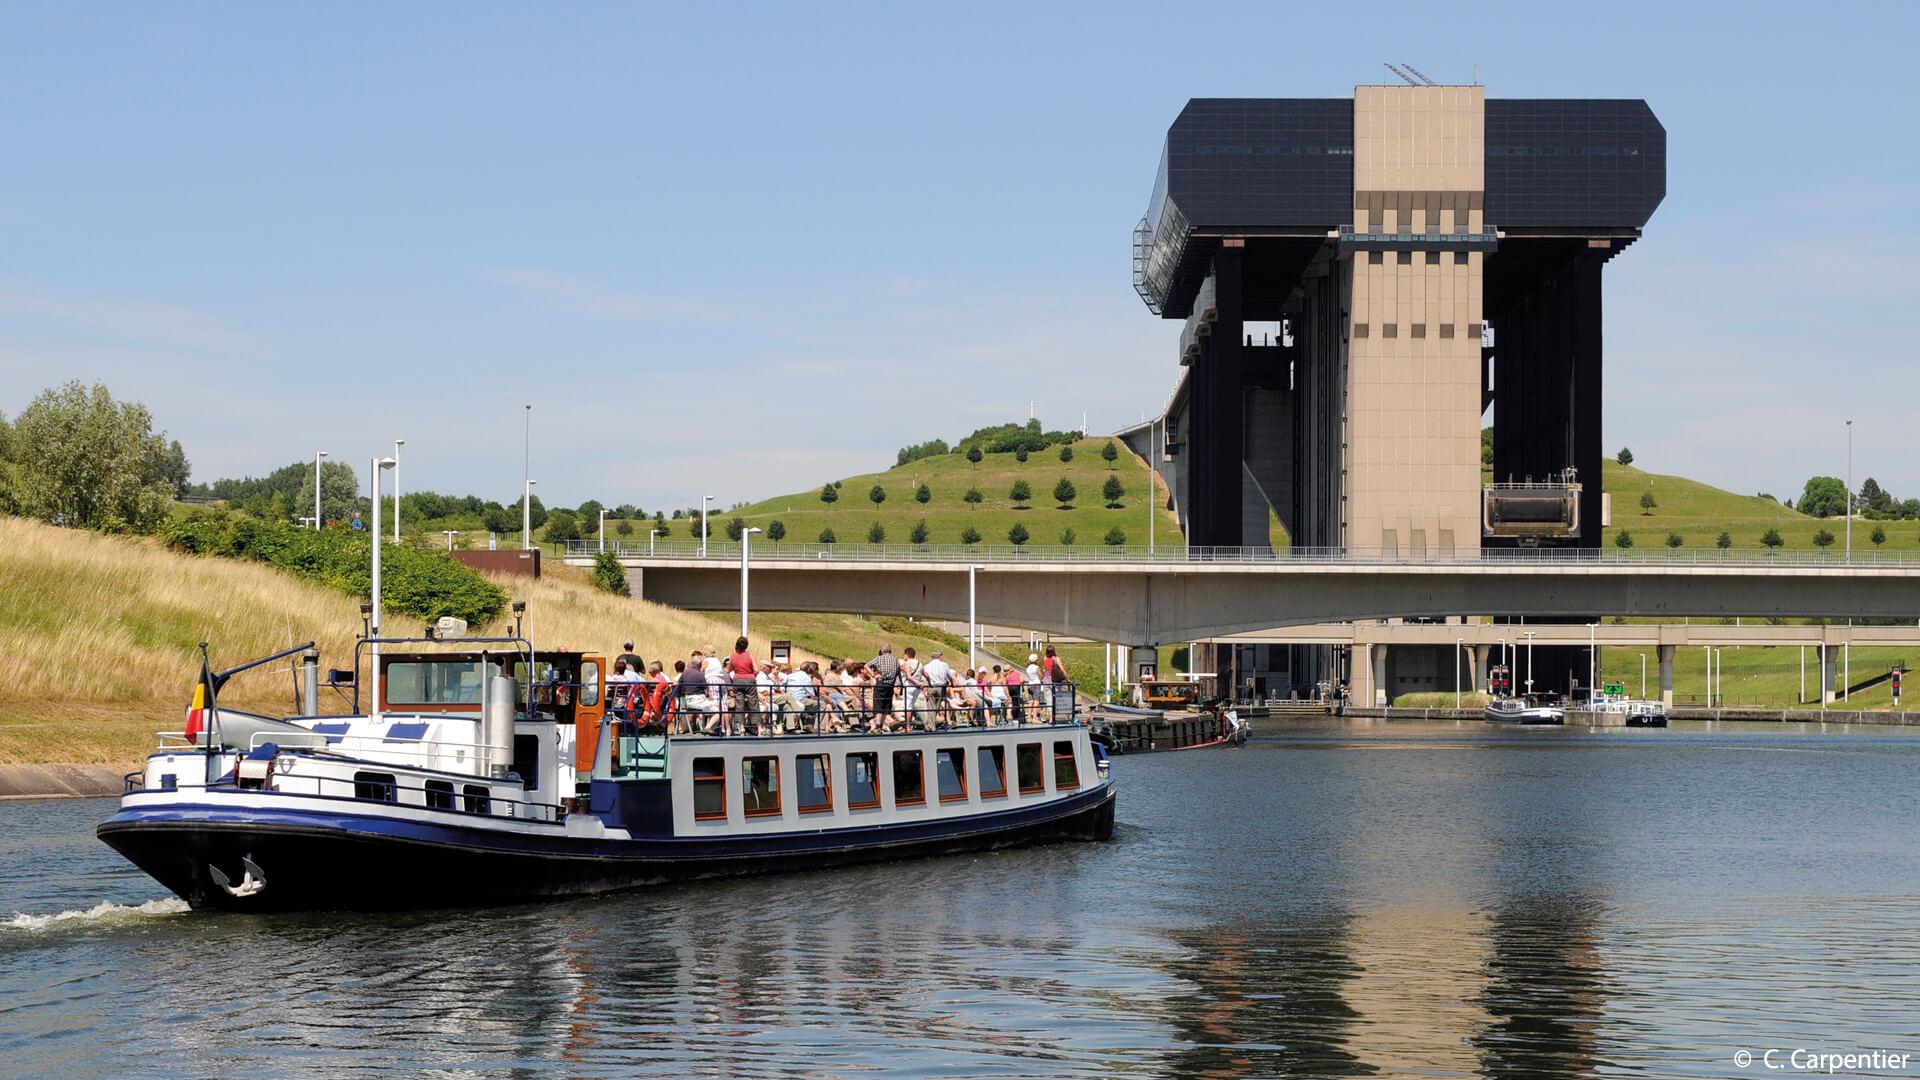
(1405, 258)
(382, 787)
(1246, 150)
(813, 788)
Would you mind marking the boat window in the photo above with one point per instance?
(951, 766)
(760, 779)
(377, 786)
(589, 683)
(709, 789)
(440, 794)
(1027, 760)
(909, 779)
(526, 760)
(863, 781)
(1066, 767)
(477, 799)
(813, 779)
(993, 771)
(433, 682)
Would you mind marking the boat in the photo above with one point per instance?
(482, 772)
(1634, 713)
(1537, 708)
(1129, 729)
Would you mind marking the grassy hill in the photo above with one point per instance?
(947, 514)
(1699, 513)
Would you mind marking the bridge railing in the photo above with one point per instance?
(965, 554)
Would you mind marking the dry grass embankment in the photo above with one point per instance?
(99, 636)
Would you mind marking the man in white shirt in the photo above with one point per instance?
(938, 674)
(717, 682)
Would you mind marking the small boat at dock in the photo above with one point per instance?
(1535, 709)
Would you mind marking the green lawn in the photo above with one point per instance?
(1699, 513)
(1765, 676)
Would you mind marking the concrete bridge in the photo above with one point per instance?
(1197, 594)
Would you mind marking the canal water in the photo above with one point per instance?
(1331, 900)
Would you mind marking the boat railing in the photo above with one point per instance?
(750, 708)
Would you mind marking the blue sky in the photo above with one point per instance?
(743, 249)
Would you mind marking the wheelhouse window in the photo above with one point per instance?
(863, 781)
(439, 795)
(1066, 767)
(1027, 760)
(709, 789)
(909, 778)
(813, 783)
(478, 799)
(435, 682)
(378, 786)
(950, 765)
(760, 783)
(993, 772)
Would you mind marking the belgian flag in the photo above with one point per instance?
(201, 711)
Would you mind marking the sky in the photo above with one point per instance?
(742, 249)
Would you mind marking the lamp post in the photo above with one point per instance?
(603, 528)
(1592, 646)
(1457, 642)
(973, 612)
(1529, 636)
(450, 534)
(1709, 650)
(526, 482)
(1849, 491)
(317, 455)
(704, 500)
(375, 467)
(397, 444)
(744, 536)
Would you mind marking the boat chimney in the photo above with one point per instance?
(310, 681)
(496, 723)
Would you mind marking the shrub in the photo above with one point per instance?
(625, 528)
(736, 528)
(876, 533)
(609, 575)
(696, 526)
(1647, 503)
(973, 496)
(1878, 536)
(970, 535)
(1064, 491)
(1623, 539)
(876, 495)
(776, 530)
(1624, 457)
(562, 526)
(1020, 455)
(1723, 541)
(827, 537)
(920, 532)
(1066, 453)
(1674, 540)
(1020, 492)
(1113, 491)
(923, 494)
(1823, 538)
(1772, 538)
(1115, 537)
(1067, 537)
(974, 455)
(1110, 453)
(829, 494)
(932, 448)
(1017, 535)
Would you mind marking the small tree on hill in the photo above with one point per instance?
(974, 455)
(1066, 452)
(776, 530)
(1064, 492)
(920, 532)
(1017, 535)
(923, 494)
(1624, 457)
(609, 576)
(736, 529)
(1823, 538)
(973, 496)
(562, 526)
(876, 533)
(1623, 539)
(1674, 540)
(625, 528)
(695, 526)
(1112, 491)
(1647, 503)
(1772, 538)
(1068, 536)
(1878, 536)
(1109, 453)
(1020, 493)
(969, 535)
(877, 495)
(659, 523)
(829, 494)
(1020, 455)
(827, 537)
(1723, 541)
(1115, 537)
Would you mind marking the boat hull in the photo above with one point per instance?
(327, 860)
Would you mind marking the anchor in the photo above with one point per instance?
(252, 880)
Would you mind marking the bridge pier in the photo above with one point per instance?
(1829, 673)
(1482, 661)
(1666, 675)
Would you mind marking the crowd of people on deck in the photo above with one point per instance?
(737, 694)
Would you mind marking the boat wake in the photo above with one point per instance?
(103, 912)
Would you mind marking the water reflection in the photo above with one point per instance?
(1545, 991)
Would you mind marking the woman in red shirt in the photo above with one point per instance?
(741, 671)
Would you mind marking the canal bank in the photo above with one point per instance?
(1582, 718)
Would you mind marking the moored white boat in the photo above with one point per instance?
(1526, 709)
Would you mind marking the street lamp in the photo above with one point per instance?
(1849, 491)
(397, 444)
(1529, 636)
(973, 613)
(704, 500)
(450, 534)
(376, 467)
(603, 528)
(526, 482)
(1457, 642)
(744, 535)
(1592, 647)
(317, 455)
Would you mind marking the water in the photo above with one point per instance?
(1332, 900)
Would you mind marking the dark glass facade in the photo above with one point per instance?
(1575, 164)
(1260, 163)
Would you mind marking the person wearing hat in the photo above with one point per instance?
(1033, 687)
